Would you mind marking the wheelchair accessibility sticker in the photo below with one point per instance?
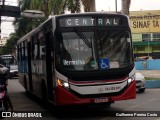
(104, 63)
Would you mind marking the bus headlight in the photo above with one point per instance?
(63, 83)
(130, 80)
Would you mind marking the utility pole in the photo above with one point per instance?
(125, 6)
(92, 6)
(116, 5)
(46, 8)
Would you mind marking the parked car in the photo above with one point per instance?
(140, 82)
(13, 72)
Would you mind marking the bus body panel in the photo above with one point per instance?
(64, 97)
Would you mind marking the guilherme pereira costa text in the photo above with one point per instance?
(22, 114)
(137, 114)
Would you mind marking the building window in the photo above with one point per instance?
(146, 37)
(140, 49)
(156, 48)
(156, 36)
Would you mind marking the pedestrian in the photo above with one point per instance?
(4, 81)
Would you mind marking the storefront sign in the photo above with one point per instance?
(145, 22)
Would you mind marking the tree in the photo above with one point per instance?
(41, 5)
(56, 7)
(10, 46)
(25, 4)
(89, 5)
(74, 6)
(24, 25)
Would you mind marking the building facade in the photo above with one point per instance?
(145, 27)
(3, 41)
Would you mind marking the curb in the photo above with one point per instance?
(152, 83)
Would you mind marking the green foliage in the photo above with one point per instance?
(86, 4)
(10, 46)
(73, 6)
(56, 6)
(25, 4)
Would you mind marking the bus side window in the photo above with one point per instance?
(22, 51)
(35, 47)
(42, 45)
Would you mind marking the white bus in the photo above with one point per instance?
(80, 58)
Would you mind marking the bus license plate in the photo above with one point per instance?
(100, 100)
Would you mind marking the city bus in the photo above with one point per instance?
(80, 58)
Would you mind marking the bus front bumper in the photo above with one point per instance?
(64, 97)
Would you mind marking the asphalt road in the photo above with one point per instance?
(148, 101)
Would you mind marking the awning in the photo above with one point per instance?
(152, 43)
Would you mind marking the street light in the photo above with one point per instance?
(33, 14)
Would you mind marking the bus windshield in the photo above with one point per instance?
(96, 50)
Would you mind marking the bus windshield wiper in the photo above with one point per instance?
(83, 37)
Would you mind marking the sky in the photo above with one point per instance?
(7, 27)
(136, 5)
(105, 5)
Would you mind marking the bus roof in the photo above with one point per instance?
(71, 15)
(94, 13)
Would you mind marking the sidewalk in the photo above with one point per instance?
(150, 73)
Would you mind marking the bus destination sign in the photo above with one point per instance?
(89, 21)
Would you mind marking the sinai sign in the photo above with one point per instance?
(89, 21)
(143, 22)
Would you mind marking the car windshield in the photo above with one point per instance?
(99, 50)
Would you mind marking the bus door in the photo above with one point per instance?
(49, 64)
(29, 66)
